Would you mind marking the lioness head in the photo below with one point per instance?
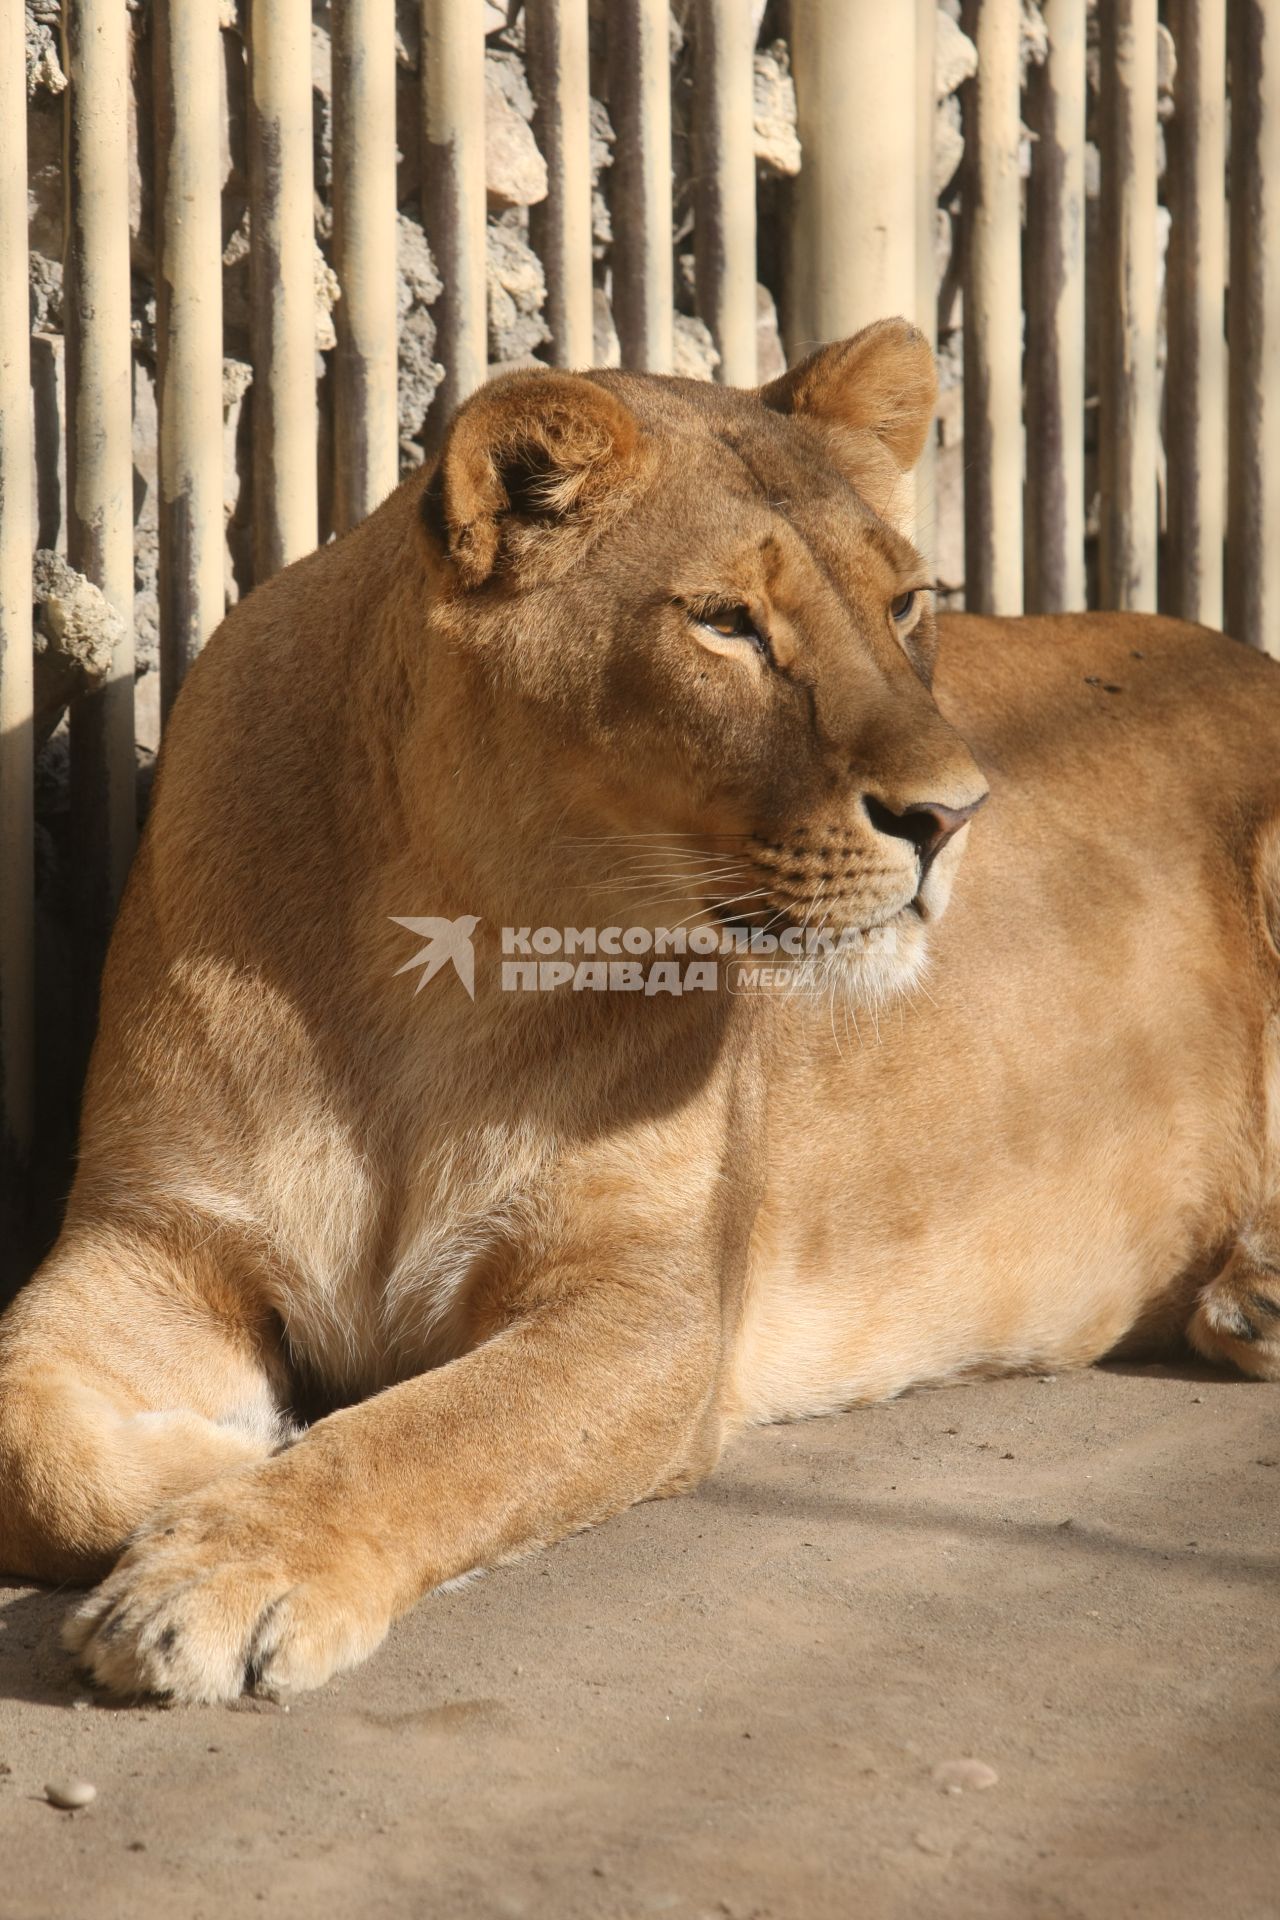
(695, 645)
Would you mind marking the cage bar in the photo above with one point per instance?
(366, 452)
(1055, 374)
(192, 586)
(725, 184)
(17, 984)
(993, 313)
(853, 257)
(99, 461)
(1128, 446)
(1253, 570)
(640, 182)
(282, 284)
(1196, 380)
(924, 530)
(453, 196)
(556, 60)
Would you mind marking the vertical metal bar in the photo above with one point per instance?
(1196, 379)
(188, 335)
(1054, 552)
(926, 301)
(99, 459)
(282, 284)
(725, 184)
(1253, 570)
(556, 51)
(853, 252)
(640, 182)
(453, 195)
(993, 313)
(17, 1011)
(366, 449)
(1128, 423)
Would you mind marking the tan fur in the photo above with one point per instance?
(537, 1255)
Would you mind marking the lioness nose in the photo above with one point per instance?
(928, 826)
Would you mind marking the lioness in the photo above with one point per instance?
(636, 654)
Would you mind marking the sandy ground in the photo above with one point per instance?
(732, 1705)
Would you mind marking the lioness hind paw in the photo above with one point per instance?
(1237, 1318)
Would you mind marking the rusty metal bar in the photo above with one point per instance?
(17, 880)
(993, 313)
(282, 284)
(99, 459)
(1054, 534)
(188, 335)
(366, 425)
(640, 182)
(1253, 569)
(924, 530)
(556, 53)
(1196, 378)
(725, 184)
(1128, 422)
(853, 251)
(453, 195)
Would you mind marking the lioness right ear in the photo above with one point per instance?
(530, 461)
(877, 392)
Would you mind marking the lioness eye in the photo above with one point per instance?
(903, 607)
(735, 623)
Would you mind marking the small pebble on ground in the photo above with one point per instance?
(70, 1794)
(964, 1776)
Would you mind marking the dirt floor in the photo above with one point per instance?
(734, 1704)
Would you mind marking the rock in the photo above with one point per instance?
(77, 631)
(328, 293)
(517, 291)
(774, 100)
(322, 106)
(515, 173)
(44, 277)
(237, 472)
(418, 372)
(235, 287)
(606, 349)
(602, 141)
(694, 356)
(955, 57)
(44, 178)
(1033, 38)
(44, 69)
(146, 524)
(70, 1794)
(964, 1776)
(948, 143)
(1166, 71)
(771, 359)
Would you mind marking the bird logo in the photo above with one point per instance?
(447, 940)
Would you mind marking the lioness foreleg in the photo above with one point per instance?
(289, 1571)
(132, 1369)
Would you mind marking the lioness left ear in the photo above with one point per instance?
(877, 392)
(528, 455)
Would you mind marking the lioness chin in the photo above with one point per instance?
(636, 655)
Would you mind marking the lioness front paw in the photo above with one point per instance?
(210, 1600)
